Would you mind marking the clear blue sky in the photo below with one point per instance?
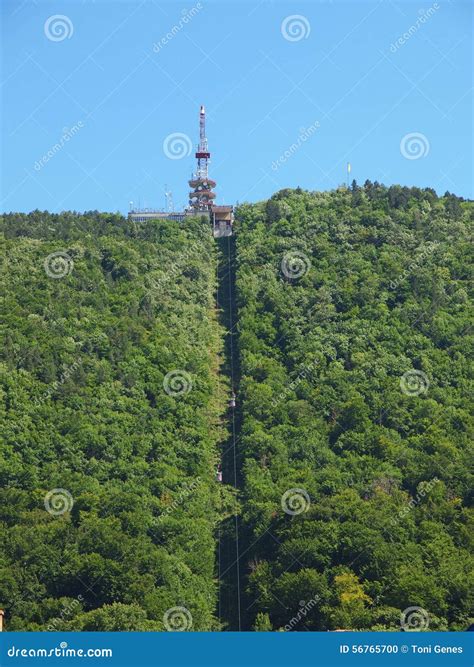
(339, 72)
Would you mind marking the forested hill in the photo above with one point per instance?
(108, 500)
(356, 356)
(353, 421)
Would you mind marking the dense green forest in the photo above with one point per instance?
(111, 424)
(353, 374)
(355, 331)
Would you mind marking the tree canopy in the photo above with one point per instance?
(354, 420)
(355, 329)
(108, 502)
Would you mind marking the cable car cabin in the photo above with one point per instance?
(222, 219)
(232, 401)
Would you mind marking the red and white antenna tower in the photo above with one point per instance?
(200, 199)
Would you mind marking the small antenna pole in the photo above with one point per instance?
(168, 200)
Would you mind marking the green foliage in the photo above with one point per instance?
(382, 289)
(86, 411)
(262, 623)
(356, 492)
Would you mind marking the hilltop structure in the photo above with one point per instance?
(201, 197)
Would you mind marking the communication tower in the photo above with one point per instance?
(201, 197)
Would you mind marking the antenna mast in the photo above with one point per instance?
(200, 199)
(169, 206)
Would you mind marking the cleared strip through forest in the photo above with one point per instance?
(230, 612)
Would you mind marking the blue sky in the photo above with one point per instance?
(294, 91)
